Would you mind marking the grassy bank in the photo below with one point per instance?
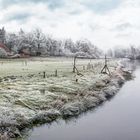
(28, 98)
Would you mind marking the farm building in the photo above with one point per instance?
(2, 46)
(4, 51)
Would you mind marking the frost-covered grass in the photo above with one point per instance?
(25, 94)
(49, 65)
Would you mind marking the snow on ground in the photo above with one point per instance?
(27, 98)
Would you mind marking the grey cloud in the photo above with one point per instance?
(123, 26)
(18, 17)
(123, 35)
(95, 27)
(101, 6)
(74, 12)
(51, 3)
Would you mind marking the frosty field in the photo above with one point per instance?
(28, 98)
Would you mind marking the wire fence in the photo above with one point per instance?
(50, 66)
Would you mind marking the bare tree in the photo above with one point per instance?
(2, 35)
(39, 40)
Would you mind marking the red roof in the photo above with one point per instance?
(4, 47)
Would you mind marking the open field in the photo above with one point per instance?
(28, 98)
(24, 67)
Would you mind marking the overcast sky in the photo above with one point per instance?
(104, 22)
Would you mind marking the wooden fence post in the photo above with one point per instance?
(44, 74)
(56, 73)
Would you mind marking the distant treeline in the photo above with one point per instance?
(36, 43)
(130, 52)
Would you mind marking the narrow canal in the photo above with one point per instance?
(116, 119)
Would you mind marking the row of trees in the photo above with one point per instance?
(121, 52)
(37, 43)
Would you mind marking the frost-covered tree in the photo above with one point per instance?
(54, 47)
(12, 42)
(128, 52)
(37, 43)
(88, 48)
(24, 40)
(83, 46)
(69, 46)
(3, 53)
(39, 40)
(119, 52)
(2, 35)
